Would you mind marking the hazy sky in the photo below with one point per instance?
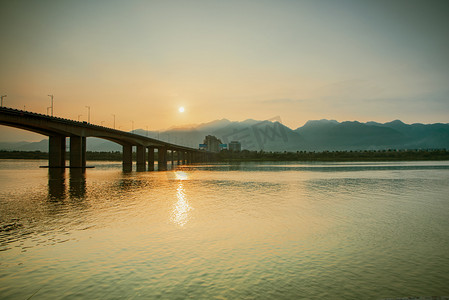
(141, 60)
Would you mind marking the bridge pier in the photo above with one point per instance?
(150, 158)
(77, 152)
(181, 157)
(184, 157)
(56, 152)
(172, 153)
(140, 157)
(162, 158)
(189, 157)
(127, 158)
(178, 156)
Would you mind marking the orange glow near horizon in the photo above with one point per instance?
(300, 60)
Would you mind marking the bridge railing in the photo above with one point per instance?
(88, 125)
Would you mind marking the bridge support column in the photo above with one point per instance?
(189, 157)
(162, 158)
(56, 149)
(178, 156)
(150, 158)
(141, 163)
(184, 157)
(83, 153)
(77, 152)
(127, 158)
(172, 153)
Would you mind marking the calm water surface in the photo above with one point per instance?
(241, 231)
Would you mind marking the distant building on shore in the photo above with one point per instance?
(235, 146)
(212, 143)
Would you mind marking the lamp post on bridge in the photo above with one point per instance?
(88, 114)
(79, 117)
(51, 96)
(3, 96)
(114, 120)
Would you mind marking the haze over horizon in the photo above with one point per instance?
(300, 60)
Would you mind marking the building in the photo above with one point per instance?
(212, 143)
(235, 146)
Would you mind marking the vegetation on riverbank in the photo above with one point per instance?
(375, 155)
(245, 155)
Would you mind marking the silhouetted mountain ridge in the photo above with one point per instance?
(315, 135)
(372, 136)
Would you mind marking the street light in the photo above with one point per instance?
(132, 126)
(88, 114)
(114, 120)
(79, 117)
(4, 96)
(51, 96)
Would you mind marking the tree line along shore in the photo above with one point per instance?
(245, 155)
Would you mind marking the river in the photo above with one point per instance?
(225, 231)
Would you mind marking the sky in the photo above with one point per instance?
(299, 60)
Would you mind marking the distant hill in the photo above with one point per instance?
(332, 135)
(271, 135)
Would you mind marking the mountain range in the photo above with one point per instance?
(271, 135)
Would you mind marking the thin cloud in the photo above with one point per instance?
(282, 101)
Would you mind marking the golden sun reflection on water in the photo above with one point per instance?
(181, 175)
(180, 213)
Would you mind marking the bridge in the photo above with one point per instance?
(58, 129)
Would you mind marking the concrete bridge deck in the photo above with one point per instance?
(58, 129)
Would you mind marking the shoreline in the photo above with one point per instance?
(260, 156)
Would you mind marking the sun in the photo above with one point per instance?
(181, 109)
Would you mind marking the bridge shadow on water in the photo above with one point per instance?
(64, 183)
(57, 187)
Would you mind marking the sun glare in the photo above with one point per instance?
(181, 109)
